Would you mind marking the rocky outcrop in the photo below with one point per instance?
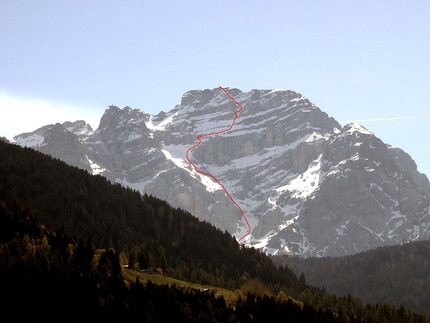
(308, 186)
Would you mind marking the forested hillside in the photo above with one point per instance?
(146, 229)
(395, 274)
(64, 235)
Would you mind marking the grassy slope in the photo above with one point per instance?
(230, 297)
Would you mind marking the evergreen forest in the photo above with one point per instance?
(397, 274)
(66, 237)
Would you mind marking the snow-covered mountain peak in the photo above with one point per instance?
(128, 118)
(353, 127)
(308, 186)
(204, 96)
(32, 139)
(80, 128)
(37, 138)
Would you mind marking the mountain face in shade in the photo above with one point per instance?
(308, 186)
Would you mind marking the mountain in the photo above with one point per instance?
(308, 186)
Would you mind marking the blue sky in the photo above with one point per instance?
(356, 60)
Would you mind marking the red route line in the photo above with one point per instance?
(199, 139)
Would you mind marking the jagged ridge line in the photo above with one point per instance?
(199, 141)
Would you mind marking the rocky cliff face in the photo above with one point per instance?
(308, 186)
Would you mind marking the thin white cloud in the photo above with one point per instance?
(20, 115)
(389, 118)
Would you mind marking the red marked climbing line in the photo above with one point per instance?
(199, 141)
